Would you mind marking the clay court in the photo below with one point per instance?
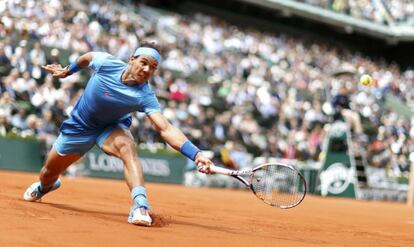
(93, 212)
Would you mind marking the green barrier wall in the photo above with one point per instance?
(21, 155)
(160, 166)
(311, 178)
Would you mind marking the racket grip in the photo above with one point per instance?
(221, 170)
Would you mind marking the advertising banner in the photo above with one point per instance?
(161, 167)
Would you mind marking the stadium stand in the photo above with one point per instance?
(394, 12)
(237, 92)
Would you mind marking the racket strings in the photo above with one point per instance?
(279, 186)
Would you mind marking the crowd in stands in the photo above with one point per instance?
(389, 12)
(234, 91)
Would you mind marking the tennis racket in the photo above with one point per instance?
(279, 185)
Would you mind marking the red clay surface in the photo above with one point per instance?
(93, 212)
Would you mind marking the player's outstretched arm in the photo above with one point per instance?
(176, 139)
(61, 72)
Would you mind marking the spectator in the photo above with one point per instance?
(5, 126)
(18, 120)
(341, 104)
(5, 65)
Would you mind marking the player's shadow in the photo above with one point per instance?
(210, 227)
(158, 221)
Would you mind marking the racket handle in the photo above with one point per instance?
(221, 170)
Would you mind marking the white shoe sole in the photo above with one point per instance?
(141, 223)
(140, 219)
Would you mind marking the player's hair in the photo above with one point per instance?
(150, 44)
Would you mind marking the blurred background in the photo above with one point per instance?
(248, 81)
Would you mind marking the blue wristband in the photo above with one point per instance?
(189, 150)
(73, 67)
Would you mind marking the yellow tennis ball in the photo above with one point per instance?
(366, 80)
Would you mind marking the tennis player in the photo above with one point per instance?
(102, 116)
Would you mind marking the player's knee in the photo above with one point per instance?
(125, 145)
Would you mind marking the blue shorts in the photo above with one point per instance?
(80, 144)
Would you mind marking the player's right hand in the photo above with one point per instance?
(203, 163)
(57, 70)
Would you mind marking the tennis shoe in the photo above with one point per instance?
(139, 216)
(35, 193)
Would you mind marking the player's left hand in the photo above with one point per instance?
(57, 70)
(203, 163)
